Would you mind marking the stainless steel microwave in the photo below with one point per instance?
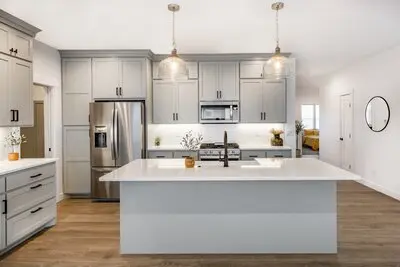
(219, 112)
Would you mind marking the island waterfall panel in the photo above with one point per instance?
(228, 217)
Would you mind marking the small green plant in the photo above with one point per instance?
(299, 127)
(157, 141)
(191, 142)
(14, 139)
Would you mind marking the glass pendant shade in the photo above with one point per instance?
(173, 68)
(277, 67)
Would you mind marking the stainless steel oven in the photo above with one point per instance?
(219, 112)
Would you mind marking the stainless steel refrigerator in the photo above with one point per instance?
(117, 137)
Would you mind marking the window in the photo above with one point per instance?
(310, 116)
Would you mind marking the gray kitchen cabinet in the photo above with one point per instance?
(5, 33)
(262, 101)
(5, 73)
(175, 102)
(219, 81)
(15, 43)
(161, 154)
(252, 69)
(2, 214)
(77, 87)
(170, 154)
(271, 153)
(185, 154)
(119, 78)
(192, 66)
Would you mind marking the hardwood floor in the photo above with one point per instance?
(87, 234)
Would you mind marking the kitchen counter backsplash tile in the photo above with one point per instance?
(243, 134)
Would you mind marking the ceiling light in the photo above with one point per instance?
(278, 66)
(173, 67)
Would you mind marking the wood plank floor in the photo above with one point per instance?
(87, 234)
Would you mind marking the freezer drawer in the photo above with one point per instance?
(104, 190)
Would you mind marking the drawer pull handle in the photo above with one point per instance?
(160, 157)
(5, 206)
(36, 175)
(253, 156)
(36, 186)
(278, 156)
(36, 210)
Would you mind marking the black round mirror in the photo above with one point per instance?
(377, 114)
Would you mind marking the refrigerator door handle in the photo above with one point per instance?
(116, 134)
(112, 136)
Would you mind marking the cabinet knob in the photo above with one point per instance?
(12, 50)
(16, 51)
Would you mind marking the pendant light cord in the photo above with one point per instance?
(173, 30)
(277, 28)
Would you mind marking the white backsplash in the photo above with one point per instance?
(3, 149)
(243, 134)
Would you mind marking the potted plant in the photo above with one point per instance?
(191, 142)
(276, 140)
(299, 129)
(157, 141)
(13, 140)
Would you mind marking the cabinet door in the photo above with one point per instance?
(5, 74)
(185, 154)
(251, 69)
(161, 154)
(208, 80)
(21, 92)
(5, 39)
(251, 101)
(133, 78)
(22, 44)
(229, 81)
(164, 102)
(76, 160)
(105, 78)
(274, 101)
(187, 102)
(77, 87)
(2, 222)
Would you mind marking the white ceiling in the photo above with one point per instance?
(323, 34)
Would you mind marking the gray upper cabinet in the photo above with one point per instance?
(219, 81)
(252, 69)
(15, 43)
(119, 78)
(192, 66)
(175, 102)
(263, 101)
(5, 72)
(77, 87)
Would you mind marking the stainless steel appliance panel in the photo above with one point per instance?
(129, 132)
(219, 112)
(103, 190)
(102, 120)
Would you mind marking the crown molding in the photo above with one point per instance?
(137, 53)
(18, 24)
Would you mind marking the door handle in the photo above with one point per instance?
(261, 115)
(17, 111)
(112, 137)
(265, 117)
(5, 206)
(120, 91)
(217, 94)
(116, 134)
(12, 115)
(177, 117)
(173, 116)
(116, 90)
(341, 138)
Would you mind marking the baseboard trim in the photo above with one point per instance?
(380, 189)
(60, 197)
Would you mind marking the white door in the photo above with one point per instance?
(133, 78)
(77, 160)
(21, 93)
(251, 110)
(229, 81)
(2, 221)
(5, 39)
(274, 101)
(208, 81)
(187, 104)
(5, 72)
(77, 87)
(22, 45)
(105, 78)
(164, 102)
(251, 69)
(346, 128)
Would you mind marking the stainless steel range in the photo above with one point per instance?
(215, 151)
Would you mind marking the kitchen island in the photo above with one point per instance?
(261, 206)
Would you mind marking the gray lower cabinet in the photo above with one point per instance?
(28, 203)
(252, 154)
(177, 154)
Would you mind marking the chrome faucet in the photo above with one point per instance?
(225, 159)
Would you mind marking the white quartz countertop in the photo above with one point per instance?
(155, 170)
(264, 147)
(7, 167)
(166, 148)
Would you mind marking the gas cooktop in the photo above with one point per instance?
(218, 145)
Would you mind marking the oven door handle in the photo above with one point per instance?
(231, 112)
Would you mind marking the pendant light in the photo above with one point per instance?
(278, 66)
(173, 67)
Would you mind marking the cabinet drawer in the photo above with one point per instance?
(29, 221)
(184, 154)
(279, 154)
(250, 155)
(2, 185)
(26, 197)
(161, 154)
(28, 176)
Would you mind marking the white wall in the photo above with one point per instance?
(47, 71)
(376, 155)
(304, 96)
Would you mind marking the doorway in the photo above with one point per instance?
(38, 136)
(346, 131)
